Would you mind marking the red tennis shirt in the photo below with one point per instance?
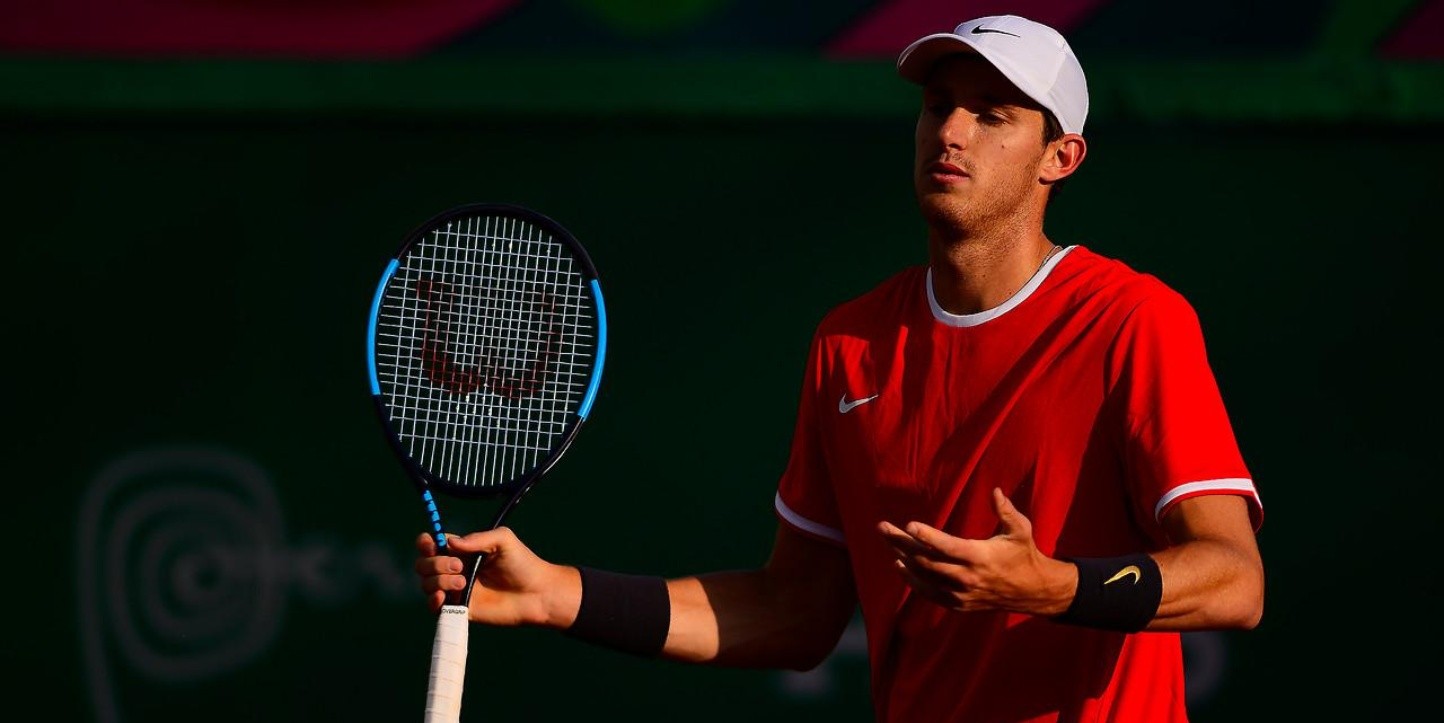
(1088, 398)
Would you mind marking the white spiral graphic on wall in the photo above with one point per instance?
(181, 574)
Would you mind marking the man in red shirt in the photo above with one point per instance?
(1015, 458)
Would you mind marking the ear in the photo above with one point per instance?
(1062, 158)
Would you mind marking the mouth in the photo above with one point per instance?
(944, 172)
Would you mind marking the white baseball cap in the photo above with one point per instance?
(1032, 55)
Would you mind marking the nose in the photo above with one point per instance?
(956, 128)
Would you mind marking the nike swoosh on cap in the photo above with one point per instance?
(980, 30)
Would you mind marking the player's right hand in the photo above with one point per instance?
(513, 587)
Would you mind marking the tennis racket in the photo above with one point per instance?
(485, 347)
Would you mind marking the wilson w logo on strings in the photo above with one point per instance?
(509, 359)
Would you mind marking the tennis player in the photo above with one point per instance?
(1016, 458)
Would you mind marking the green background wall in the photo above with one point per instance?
(204, 283)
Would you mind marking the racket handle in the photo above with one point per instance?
(448, 666)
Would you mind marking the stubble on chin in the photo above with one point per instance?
(949, 216)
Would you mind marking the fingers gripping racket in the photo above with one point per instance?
(485, 348)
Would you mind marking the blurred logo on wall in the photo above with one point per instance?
(185, 570)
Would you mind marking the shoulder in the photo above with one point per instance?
(1127, 292)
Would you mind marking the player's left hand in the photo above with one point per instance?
(1005, 572)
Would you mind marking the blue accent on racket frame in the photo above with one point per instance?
(435, 516)
(601, 352)
(371, 332)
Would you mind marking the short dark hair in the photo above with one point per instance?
(1052, 131)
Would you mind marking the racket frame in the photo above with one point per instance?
(448, 659)
(424, 481)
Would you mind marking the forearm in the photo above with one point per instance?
(1208, 585)
(1210, 577)
(750, 619)
(787, 614)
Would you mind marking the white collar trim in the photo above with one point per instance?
(987, 315)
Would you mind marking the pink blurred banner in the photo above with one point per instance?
(295, 28)
(890, 26)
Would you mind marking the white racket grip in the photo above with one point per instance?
(448, 666)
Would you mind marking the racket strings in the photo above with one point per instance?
(485, 348)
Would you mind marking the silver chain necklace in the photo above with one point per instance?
(1043, 263)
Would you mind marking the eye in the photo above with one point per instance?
(990, 118)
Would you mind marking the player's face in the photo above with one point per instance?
(979, 146)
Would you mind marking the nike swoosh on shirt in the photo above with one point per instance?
(844, 406)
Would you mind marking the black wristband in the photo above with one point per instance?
(630, 613)
(1115, 593)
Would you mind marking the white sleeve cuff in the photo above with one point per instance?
(1237, 486)
(806, 525)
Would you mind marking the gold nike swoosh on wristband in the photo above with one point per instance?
(1125, 572)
